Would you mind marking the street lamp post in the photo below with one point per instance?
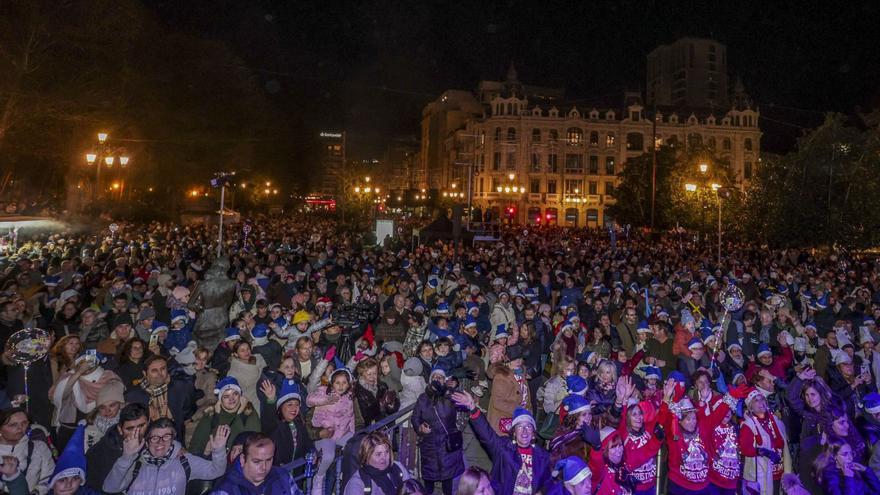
(105, 155)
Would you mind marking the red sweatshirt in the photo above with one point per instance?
(606, 481)
(640, 451)
(689, 456)
(726, 468)
(749, 442)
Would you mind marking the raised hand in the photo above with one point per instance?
(9, 466)
(269, 390)
(132, 443)
(219, 438)
(463, 399)
(668, 390)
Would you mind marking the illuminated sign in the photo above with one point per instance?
(331, 134)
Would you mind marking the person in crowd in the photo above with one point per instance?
(285, 425)
(63, 354)
(231, 410)
(373, 400)
(377, 471)
(811, 399)
(475, 481)
(33, 457)
(130, 363)
(574, 476)
(246, 367)
(334, 416)
(839, 473)
(133, 419)
(509, 388)
(157, 463)
(440, 441)
(519, 466)
(105, 416)
(255, 472)
(164, 395)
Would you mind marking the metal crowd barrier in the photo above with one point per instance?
(392, 425)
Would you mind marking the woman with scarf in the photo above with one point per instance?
(377, 471)
(75, 394)
(63, 354)
(440, 441)
(373, 400)
(510, 389)
(839, 473)
(764, 446)
(106, 415)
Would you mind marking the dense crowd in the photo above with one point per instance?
(548, 362)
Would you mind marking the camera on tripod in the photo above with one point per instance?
(354, 315)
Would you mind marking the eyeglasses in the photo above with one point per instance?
(161, 438)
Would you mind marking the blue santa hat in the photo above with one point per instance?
(281, 321)
(72, 461)
(821, 302)
(500, 331)
(478, 269)
(575, 403)
(521, 415)
(405, 265)
(289, 391)
(643, 327)
(420, 307)
(52, 281)
(471, 306)
(225, 384)
(587, 356)
(573, 470)
(470, 321)
(179, 314)
(437, 369)
(158, 326)
(706, 335)
(695, 343)
(443, 308)
(782, 289)
(576, 385)
(232, 333)
(652, 372)
(567, 300)
(677, 376)
(433, 282)
(764, 349)
(260, 333)
(872, 403)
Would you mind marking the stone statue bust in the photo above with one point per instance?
(211, 299)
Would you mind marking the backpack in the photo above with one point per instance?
(184, 462)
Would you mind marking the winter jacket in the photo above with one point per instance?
(413, 387)
(181, 401)
(355, 485)
(552, 393)
(169, 478)
(502, 314)
(40, 468)
(439, 413)
(506, 395)
(245, 419)
(862, 483)
(248, 375)
(101, 457)
(373, 407)
(277, 482)
(292, 441)
(271, 352)
(506, 460)
(339, 416)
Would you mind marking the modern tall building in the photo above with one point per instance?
(332, 162)
(545, 160)
(692, 72)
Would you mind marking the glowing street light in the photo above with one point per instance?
(102, 137)
(716, 187)
(109, 160)
(91, 157)
(367, 179)
(511, 176)
(690, 187)
(123, 160)
(357, 189)
(704, 168)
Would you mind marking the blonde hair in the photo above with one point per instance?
(560, 362)
(470, 480)
(369, 444)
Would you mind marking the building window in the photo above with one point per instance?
(551, 186)
(747, 144)
(511, 134)
(609, 165)
(571, 216)
(553, 163)
(594, 138)
(574, 164)
(635, 141)
(536, 135)
(496, 161)
(712, 143)
(592, 215)
(747, 170)
(635, 116)
(695, 140)
(593, 187)
(594, 165)
(726, 144)
(575, 135)
(511, 160)
(495, 184)
(535, 186)
(609, 188)
(481, 185)
(574, 186)
(609, 140)
(554, 135)
(497, 134)
(536, 162)
(534, 214)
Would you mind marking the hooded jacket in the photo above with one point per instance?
(339, 416)
(168, 478)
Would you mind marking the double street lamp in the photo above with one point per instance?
(105, 155)
(721, 192)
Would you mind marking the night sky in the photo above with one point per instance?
(370, 67)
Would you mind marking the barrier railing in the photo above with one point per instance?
(393, 427)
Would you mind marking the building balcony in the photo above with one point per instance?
(551, 198)
(534, 196)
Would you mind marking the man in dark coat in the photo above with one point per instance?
(509, 458)
(166, 396)
(101, 456)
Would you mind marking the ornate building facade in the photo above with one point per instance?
(552, 162)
